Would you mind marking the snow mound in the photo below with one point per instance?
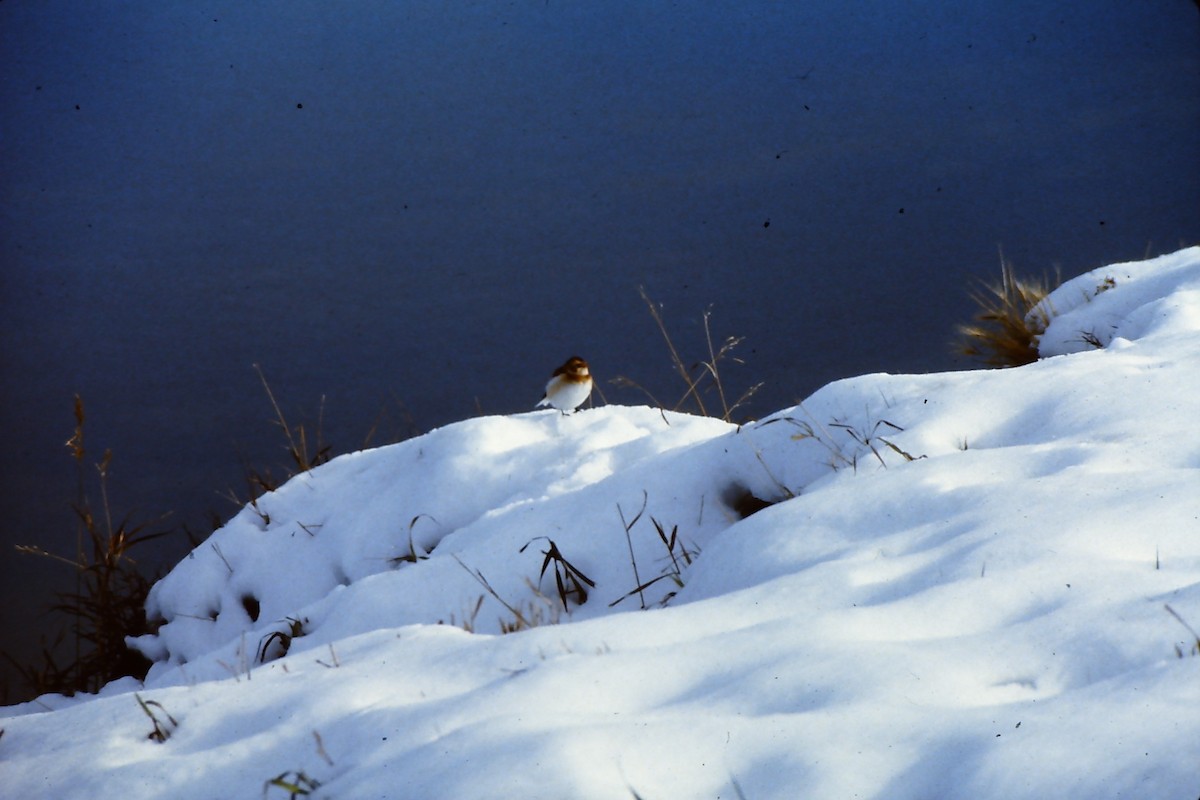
(974, 584)
(1155, 297)
(386, 529)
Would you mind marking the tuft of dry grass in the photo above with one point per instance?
(304, 454)
(537, 611)
(1009, 319)
(108, 603)
(679, 560)
(297, 437)
(702, 377)
(568, 579)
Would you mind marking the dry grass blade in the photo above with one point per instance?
(624, 382)
(404, 428)
(1195, 648)
(670, 542)
(321, 751)
(639, 589)
(297, 438)
(303, 455)
(868, 437)
(683, 371)
(521, 619)
(628, 525)
(712, 368)
(296, 783)
(163, 728)
(412, 556)
(811, 429)
(695, 377)
(281, 639)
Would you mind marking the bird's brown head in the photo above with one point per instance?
(575, 367)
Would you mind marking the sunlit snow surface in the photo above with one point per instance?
(960, 590)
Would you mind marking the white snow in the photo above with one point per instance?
(961, 590)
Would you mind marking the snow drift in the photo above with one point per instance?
(964, 584)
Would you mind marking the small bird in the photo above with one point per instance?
(569, 386)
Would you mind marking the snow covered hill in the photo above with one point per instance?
(974, 584)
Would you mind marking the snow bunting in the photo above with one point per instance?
(569, 386)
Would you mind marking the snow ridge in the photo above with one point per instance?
(954, 585)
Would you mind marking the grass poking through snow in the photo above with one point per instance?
(1008, 321)
(108, 602)
(701, 378)
(164, 723)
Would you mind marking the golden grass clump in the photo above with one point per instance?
(1009, 319)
